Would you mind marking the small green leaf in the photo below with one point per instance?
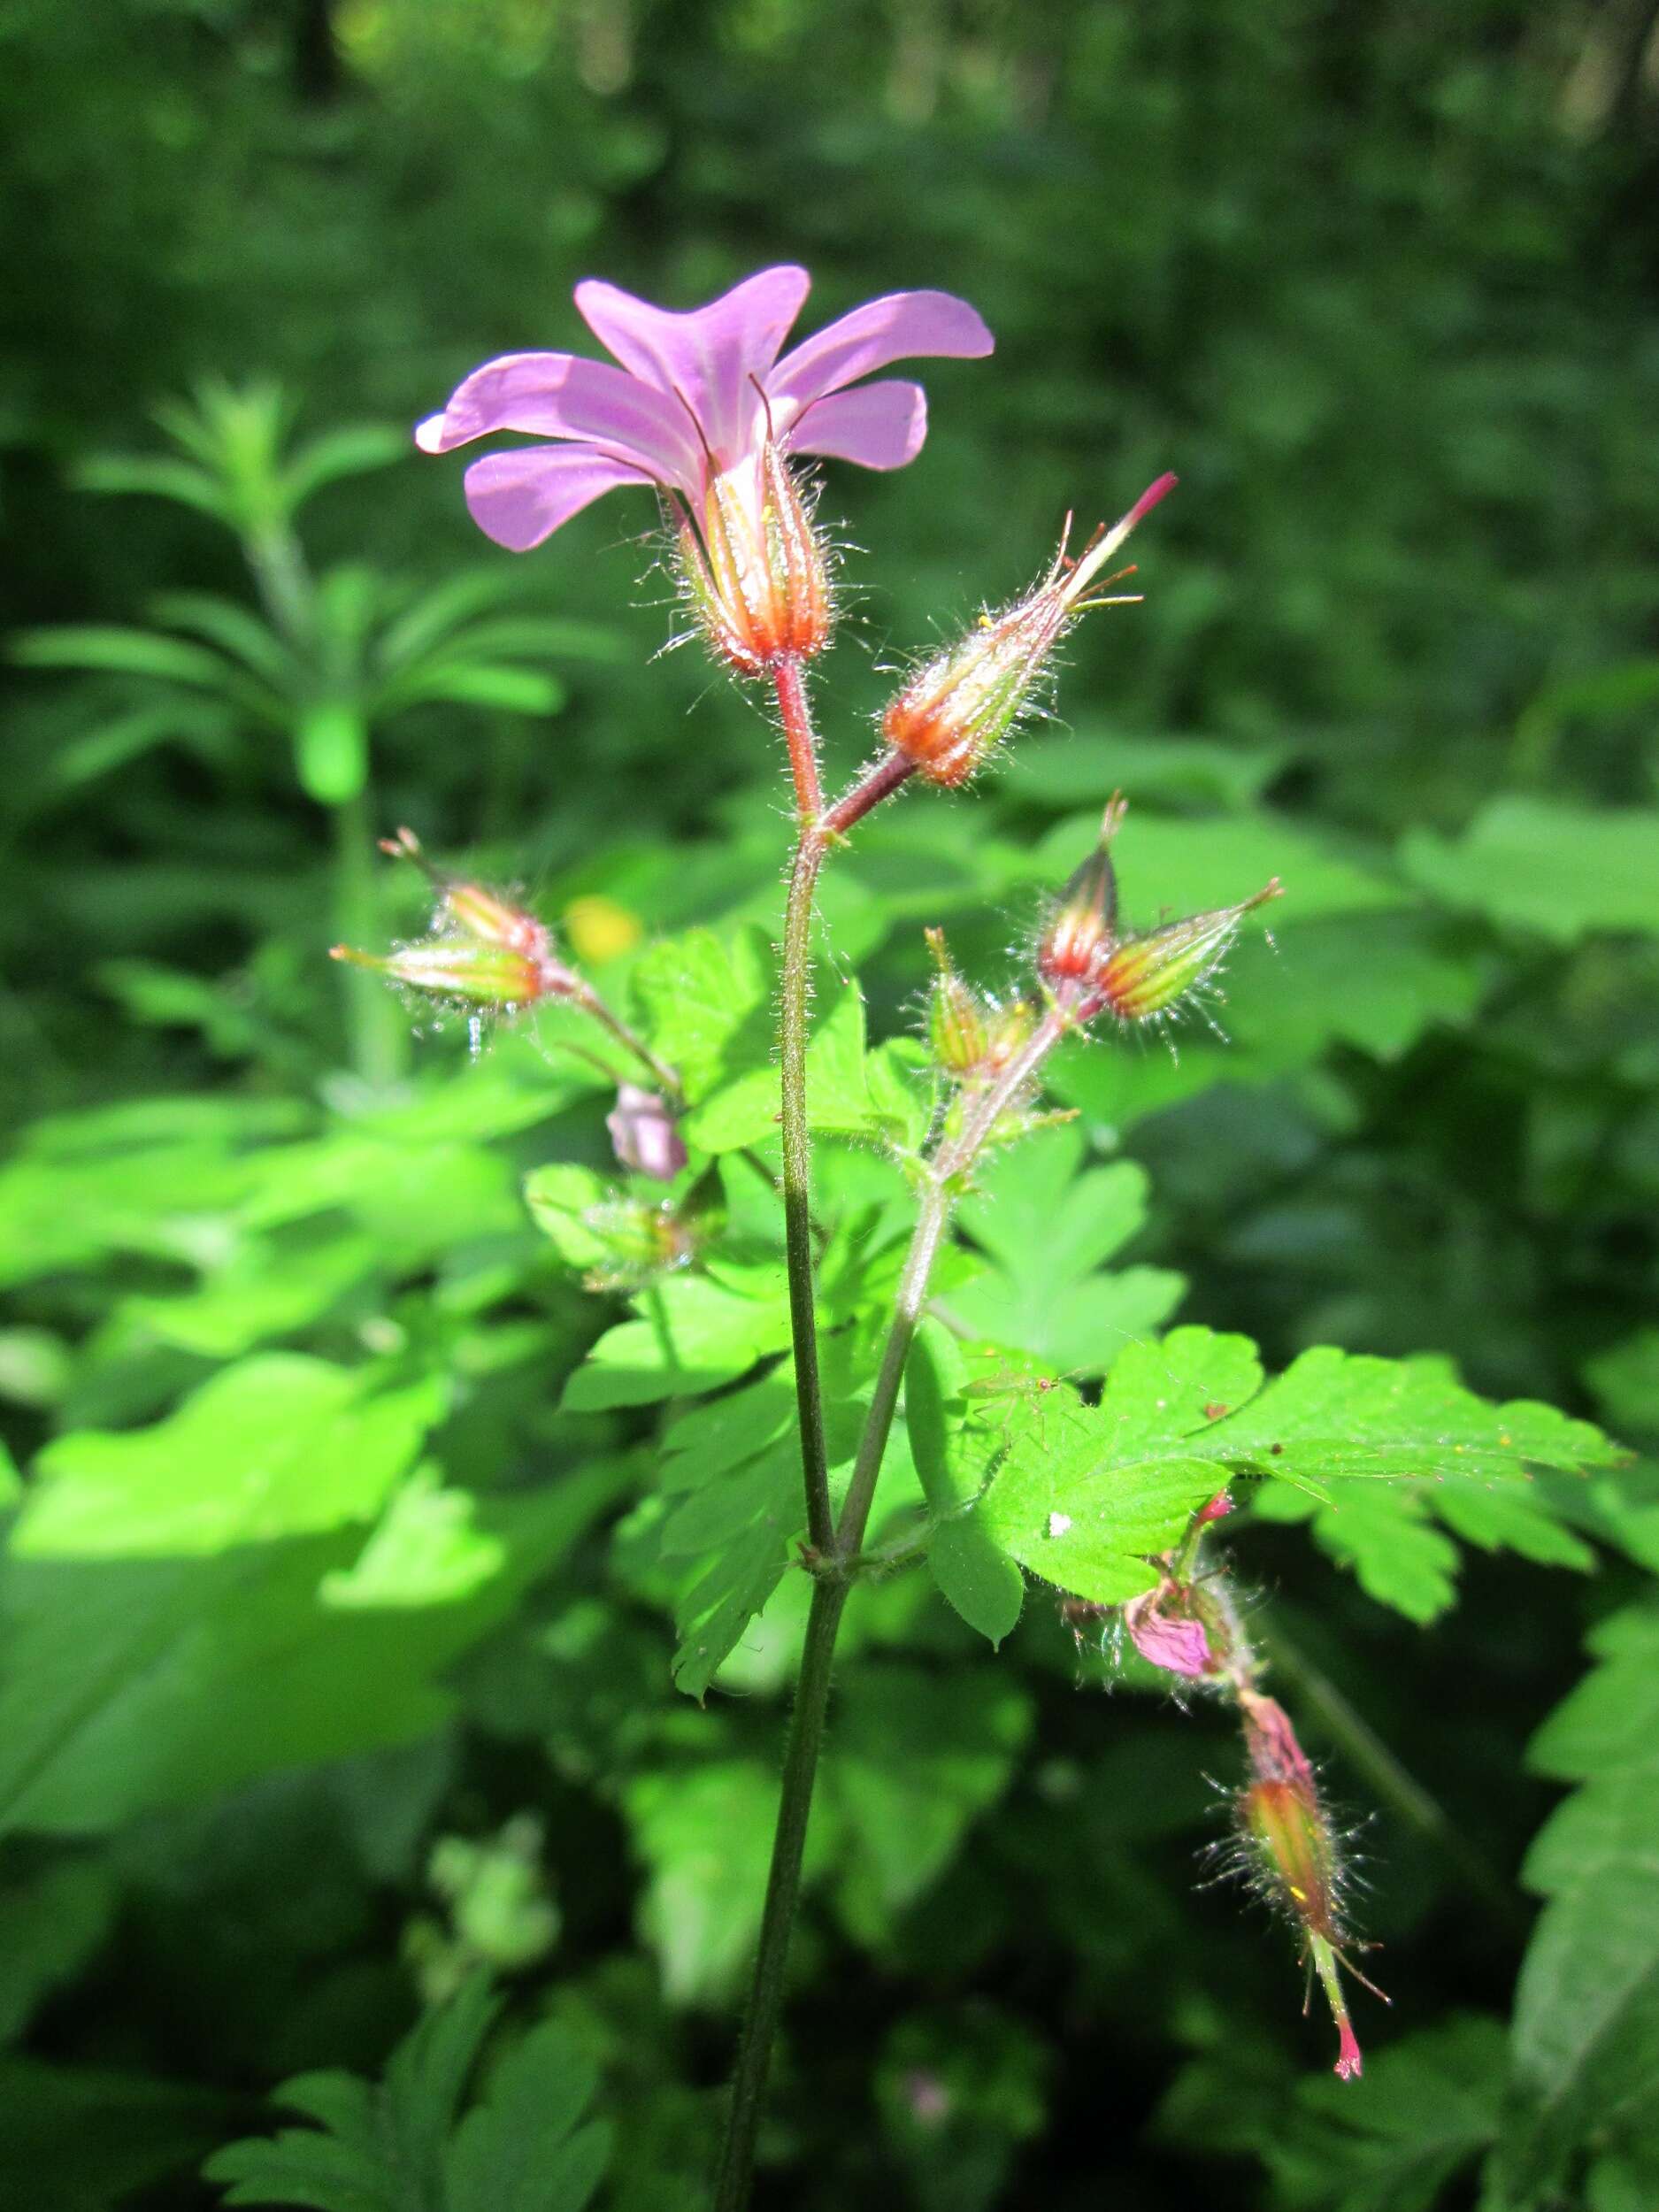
(1050, 1229)
(1585, 2043)
(981, 1582)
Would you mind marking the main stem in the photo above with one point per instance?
(794, 987)
(836, 1569)
(735, 2176)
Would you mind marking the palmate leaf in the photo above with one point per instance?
(704, 1001)
(1584, 2038)
(188, 1606)
(913, 1760)
(732, 1477)
(851, 1091)
(395, 2147)
(1049, 1232)
(1545, 868)
(1085, 1493)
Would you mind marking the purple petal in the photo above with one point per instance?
(897, 328)
(878, 426)
(713, 357)
(561, 395)
(522, 497)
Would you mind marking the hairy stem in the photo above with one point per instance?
(789, 683)
(835, 1548)
(797, 1183)
(659, 1069)
(735, 2175)
(794, 988)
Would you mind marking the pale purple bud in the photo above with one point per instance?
(643, 1136)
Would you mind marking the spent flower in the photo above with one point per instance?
(1291, 1856)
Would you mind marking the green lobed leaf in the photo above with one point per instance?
(851, 1091)
(693, 1334)
(1086, 1494)
(1050, 1229)
(395, 2147)
(1584, 2038)
(704, 1001)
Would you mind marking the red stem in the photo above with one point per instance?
(790, 686)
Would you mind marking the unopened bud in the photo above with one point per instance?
(1082, 928)
(478, 975)
(754, 569)
(502, 955)
(1284, 1826)
(960, 704)
(644, 1135)
(1145, 976)
(642, 1242)
(957, 1030)
(1007, 1029)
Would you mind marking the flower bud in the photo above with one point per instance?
(1145, 976)
(483, 914)
(478, 975)
(958, 705)
(642, 1242)
(502, 955)
(1006, 1031)
(957, 1030)
(754, 569)
(1082, 928)
(644, 1135)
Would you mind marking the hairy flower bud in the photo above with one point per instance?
(478, 975)
(497, 955)
(754, 568)
(957, 1030)
(1082, 928)
(958, 705)
(1145, 976)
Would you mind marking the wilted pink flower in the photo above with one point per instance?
(695, 400)
(1167, 1635)
(643, 1136)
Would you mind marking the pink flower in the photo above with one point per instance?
(643, 1136)
(1167, 1637)
(695, 399)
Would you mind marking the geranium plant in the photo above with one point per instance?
(1118, 1500)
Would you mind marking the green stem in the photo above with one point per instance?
(735, 2176)
(375, 1040)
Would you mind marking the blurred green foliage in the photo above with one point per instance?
(346, 1596)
